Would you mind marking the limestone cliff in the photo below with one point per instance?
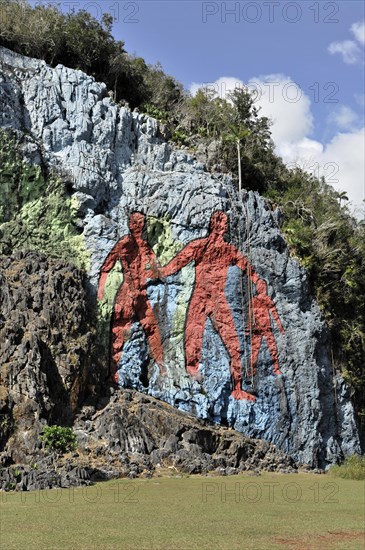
(45, 345)
(202, 307)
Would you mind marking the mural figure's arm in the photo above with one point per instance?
(275, 315)
(111, 259)
(185, 256)
(241, 261)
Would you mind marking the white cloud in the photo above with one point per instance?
(222, 86)
(194, 87)
(343, 117)
(341, 160)
(303, 153)
(350, 51)
(358, 30)
(284, 101)
(347, 151)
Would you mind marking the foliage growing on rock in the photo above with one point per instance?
(36, 210)
(59, 438)
(330, 243)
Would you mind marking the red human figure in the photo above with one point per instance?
(261, 307)
(212, 257)
(139, 263)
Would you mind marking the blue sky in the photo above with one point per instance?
(304, 59)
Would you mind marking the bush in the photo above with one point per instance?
(59, 439)
(180, 137)
(79, 41)
(352, 468)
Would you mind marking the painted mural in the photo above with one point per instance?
(211, 256)
(139, 264)
(260, 328)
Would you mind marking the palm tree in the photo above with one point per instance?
(341, 196)
(237, 134)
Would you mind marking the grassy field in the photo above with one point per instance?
(296, 511)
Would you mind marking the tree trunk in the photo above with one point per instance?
(115, 88)
(239, 166)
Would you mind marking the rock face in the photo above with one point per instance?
(197, 313)
(48, 472)
(149, 433)
(45, 342)
(134, 435)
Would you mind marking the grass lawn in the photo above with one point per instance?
(296, 511)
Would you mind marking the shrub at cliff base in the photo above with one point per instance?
(352, 468)
(59, 439)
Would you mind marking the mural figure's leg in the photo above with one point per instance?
(255, 349)
(122, 322)
(224, 323)
(271, 344)
(194, 331)
(149, 323)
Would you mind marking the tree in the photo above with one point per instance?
(163, 90)
(89, 45)
(36, 32)
(342, 196)
(237, 135)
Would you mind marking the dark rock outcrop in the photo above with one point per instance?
(46, 472)
(135, 435)
(133, 427)
(45, 345)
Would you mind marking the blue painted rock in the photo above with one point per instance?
(190, 332)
